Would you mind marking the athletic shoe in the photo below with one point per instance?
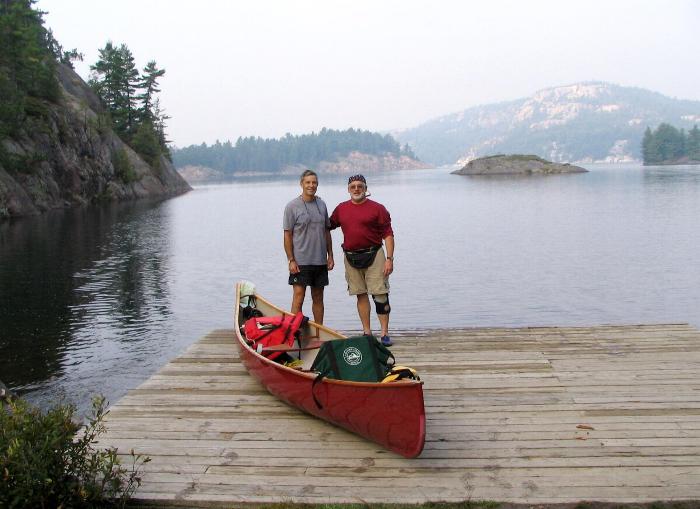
(386, 341)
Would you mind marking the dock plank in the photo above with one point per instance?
(527, 415)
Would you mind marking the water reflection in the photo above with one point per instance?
(74, 285)
(675, 175)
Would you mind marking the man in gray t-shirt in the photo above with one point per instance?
(307, 243)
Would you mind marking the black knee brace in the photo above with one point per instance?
(381, 304)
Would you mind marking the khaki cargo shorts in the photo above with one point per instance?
(370, 280)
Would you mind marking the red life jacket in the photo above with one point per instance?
(272, 331)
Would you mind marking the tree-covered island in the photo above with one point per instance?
(328, 151)
(669, 145)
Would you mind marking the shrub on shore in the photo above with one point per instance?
(49, 460)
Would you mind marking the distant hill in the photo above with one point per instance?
(583, 122)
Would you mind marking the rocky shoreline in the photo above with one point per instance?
(70, 156)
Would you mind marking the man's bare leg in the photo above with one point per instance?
(317, 303)
(363, 310)
(299, 292)
(384, 322)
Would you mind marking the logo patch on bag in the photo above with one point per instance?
(352, 356)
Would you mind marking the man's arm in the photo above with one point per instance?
(289, 250)
(389, 264)
(335, 219)
(329, 250)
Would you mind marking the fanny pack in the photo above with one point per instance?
(362, 258)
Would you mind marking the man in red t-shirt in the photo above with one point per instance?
(366, 224)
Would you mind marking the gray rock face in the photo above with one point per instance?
(516, 165)
(71, 156)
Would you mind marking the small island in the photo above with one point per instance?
(516, 164)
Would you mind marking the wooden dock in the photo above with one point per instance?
(529, 415)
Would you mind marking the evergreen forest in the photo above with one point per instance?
(272, 155)
(667, 144)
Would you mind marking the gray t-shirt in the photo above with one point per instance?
(308, 222)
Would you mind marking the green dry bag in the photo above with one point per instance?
(358, 359)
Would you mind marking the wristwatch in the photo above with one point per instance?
(390, 258)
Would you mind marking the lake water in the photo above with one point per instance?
(96, 300)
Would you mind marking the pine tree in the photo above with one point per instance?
(101, 75)
(669, 141)
(27, 67)
(145, 142)
(407, 151)
(149, 86)
(130, 81)
(693, 144)
(159, 122)
(115, 78)
(25, 56)
(66, 57)
(650, 154)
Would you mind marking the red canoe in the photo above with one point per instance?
(390, 414)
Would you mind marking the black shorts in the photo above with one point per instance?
(310, 275)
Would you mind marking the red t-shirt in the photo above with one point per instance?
(364, 225)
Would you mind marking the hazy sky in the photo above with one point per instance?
(265, 68)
